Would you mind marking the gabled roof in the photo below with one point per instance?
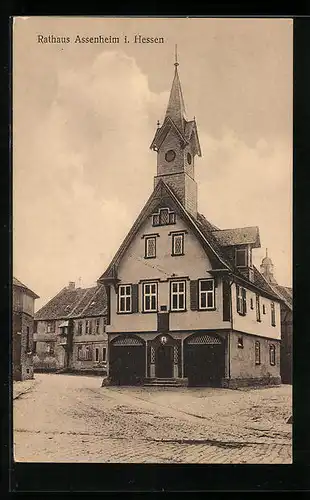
(19, 284)
(286, 293)
(238, 236)
(74, 303)
(202, 228)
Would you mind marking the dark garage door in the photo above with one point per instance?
(204, 359)
(127, 361)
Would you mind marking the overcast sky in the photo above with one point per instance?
(85, 115)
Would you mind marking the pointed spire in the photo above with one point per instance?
(176, 106)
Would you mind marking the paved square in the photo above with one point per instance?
(71, 418)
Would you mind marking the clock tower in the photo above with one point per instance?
(176, 143)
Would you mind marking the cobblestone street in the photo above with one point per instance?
(67, 418)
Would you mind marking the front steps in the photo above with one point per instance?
(165, 382)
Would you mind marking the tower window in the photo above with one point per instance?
(189, 158)
(170, 155)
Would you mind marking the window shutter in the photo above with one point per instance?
(226, 301)
(237, 295)
(135, 292)
(244, 300)
(194, 294)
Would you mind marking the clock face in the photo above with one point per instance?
(170, 155)
(189, 158)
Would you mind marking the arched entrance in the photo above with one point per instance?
(204, 360)
(164, 356)
(127, 360)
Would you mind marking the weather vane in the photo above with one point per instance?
(176, 56)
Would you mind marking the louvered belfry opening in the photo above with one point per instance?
(127, 360)
(204, 360)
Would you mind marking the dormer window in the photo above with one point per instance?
(164, 217)
(241, 257)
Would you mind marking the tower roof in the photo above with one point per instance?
(176, 106)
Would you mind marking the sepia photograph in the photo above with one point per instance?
(152, 298)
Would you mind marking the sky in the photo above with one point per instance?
(84, 116)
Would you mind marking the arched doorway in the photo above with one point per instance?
(127, 360)
(164, 357)
(204, 360)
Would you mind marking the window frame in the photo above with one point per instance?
(97, 326)
(104, 356)
(125, 296)
(241, 300)
(97, 353)
(257, 352)
(87, 327)
(146, 253)
(150, 294)
(207, 293)
(240, 342)
(171, 217)
(51, 326)
(80, 328)
(173, 240)
(272, 354)
(258, 311)
(273, 313)
(173, 282)
(238, 250)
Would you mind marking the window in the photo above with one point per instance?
(28, 339)
(241, 300)
(97, 325)
(149, 297)
(240, 342)
(124, 298)
(251, 303)
(97, 354)
(80, 328)
(272, 354)
(150, 247)
(50, 349)
(177, 295)
(206, 294)
(104, 354)
(164, 217)
(34, 348)
(90, 327)
(50, 327)
(273, 314)
(257, 353)
(258, 318)
(178, 244)
(241, 257)
(87, 327)
(84, 353)
(264, 309)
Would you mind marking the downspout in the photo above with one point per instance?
(231, 325)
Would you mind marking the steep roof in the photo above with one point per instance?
(286, 293)
(19, 284)
(238, 236)
(202, 228)
(176, 107)
(74, 303)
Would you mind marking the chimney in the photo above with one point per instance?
(71, 285)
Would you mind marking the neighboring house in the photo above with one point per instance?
(185, 302)
(70, 331)
(286, 294)
(22, 330)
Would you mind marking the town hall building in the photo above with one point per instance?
(185, 304)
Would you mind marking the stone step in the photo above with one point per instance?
(165, 382)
